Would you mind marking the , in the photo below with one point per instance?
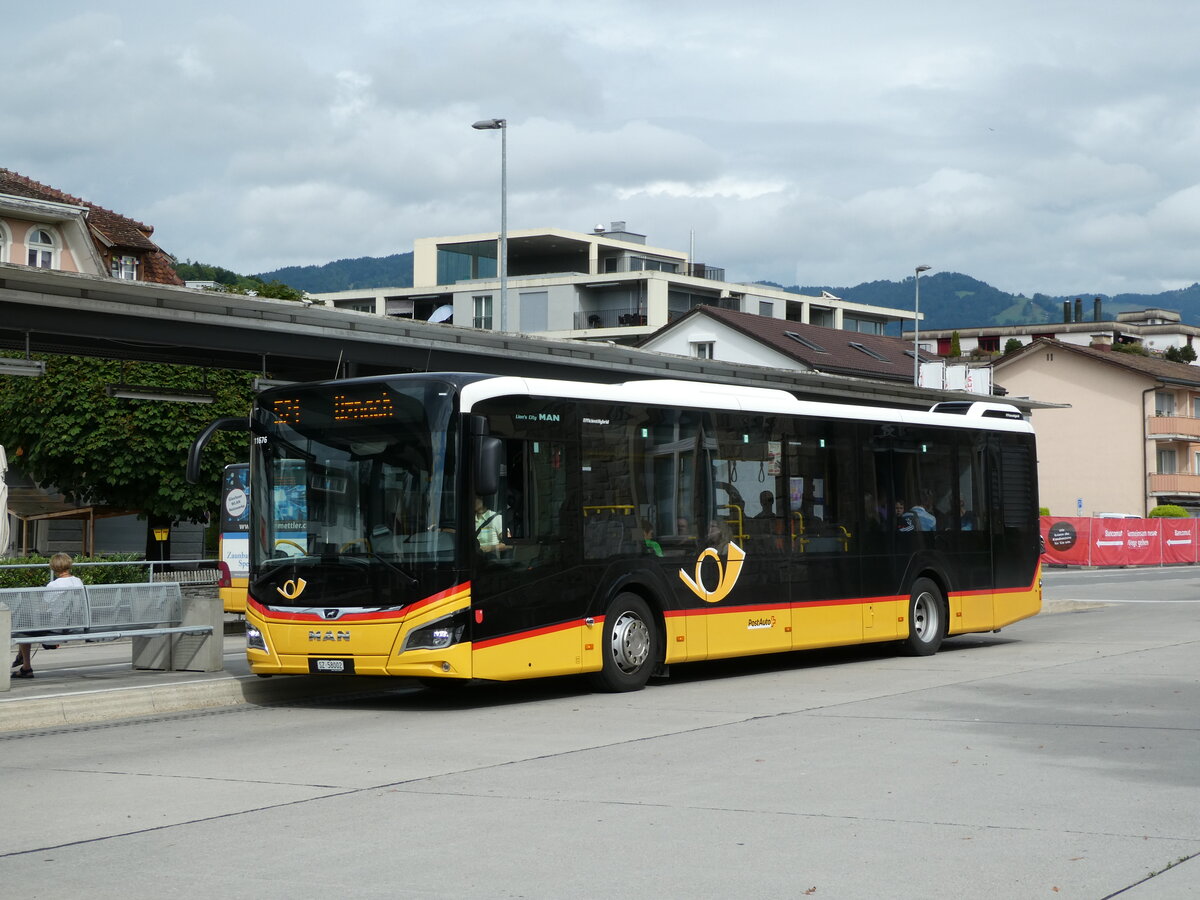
(776, 526)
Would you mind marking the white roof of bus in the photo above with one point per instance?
(699, 394)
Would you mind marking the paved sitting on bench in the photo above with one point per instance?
(107, 611)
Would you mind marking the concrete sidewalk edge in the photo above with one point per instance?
(91, 707)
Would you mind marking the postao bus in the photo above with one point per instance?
(462, 526)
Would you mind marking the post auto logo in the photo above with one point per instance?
(727, 574)
(1062, 536)
(292, 589)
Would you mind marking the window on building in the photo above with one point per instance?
(862, 326)
(4, 242)
(639, 263)
(483, 311)
(41, 246)
(819, 315)
(464, 262)
(1164, 404)
(766, 308)
(1196, 407)
(991, 343)
(680, 302)
(367, 305)
(703, 349)
(125, 268)
(1166, 462)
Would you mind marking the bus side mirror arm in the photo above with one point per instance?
(240, 423)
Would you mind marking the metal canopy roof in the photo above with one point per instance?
(66, 313)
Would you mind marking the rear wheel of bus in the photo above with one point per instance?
(926, 619)
(630, 645)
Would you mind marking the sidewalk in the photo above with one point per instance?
(86, 683)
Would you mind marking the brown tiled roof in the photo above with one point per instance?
(837, 354)
(111, 231)
(1151, 366)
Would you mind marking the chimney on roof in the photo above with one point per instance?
(1066, 312)
(1096, 309)
(1102, 342)
(1078, 309)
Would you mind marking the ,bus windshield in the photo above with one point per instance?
(355, 476)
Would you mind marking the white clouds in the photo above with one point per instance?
(1038, 147)
(1178, 216)
(725, 187)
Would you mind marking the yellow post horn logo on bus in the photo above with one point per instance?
(293, 589)
(727, 574)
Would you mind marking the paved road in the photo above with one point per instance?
(1149, 585)
(1060, 758)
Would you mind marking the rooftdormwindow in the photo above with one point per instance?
(125, 268)
(867, 350)
(805, 342)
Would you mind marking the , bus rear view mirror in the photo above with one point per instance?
(241, 423)
(487, 466)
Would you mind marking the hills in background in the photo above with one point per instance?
(348, 274)
(948, 299)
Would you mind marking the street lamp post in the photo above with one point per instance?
(501, 125)
(917, 327)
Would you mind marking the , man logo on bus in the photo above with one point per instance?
(727, 575)
(292, 589)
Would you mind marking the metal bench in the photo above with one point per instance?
(155, 615)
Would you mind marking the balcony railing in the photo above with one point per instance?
(609, 318)
(1173, 427)
(1175, 484)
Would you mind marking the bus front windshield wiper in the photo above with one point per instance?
(406, 577)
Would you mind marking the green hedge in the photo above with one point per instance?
(1168, 511)
(40, 575)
